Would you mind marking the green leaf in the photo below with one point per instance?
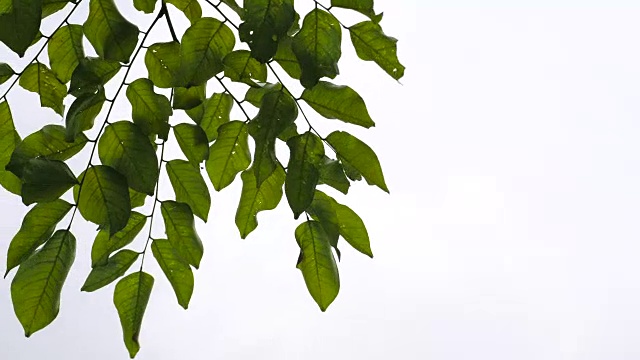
(137, 198)
(9, 139)
(372, 44)
(103, 198)
(289, 132)
(124, 147)
(277, 112)
(204, 45)
(254, 95)
(338, 102)
(193, 142)
(266, 21)
(287, 59)
(323, 209)
(112, 36)
(150, 111)
(363, 6)
(6, 72)
(332, 174)
(176, 270)
(318, 47)
(241, 67)
(188, 98)
(352, 173)
(39, 79)
(352, 229)
(146, 6)
(163, 63)
(116, 266)
(256, 198)
(65, 51)
(45, 180)
(83, 112)
(190, 8)
(131, 297)
(189, 187)
(91, 75)
(306, 153)
(50, 7)
(359, 155)
(37, 226)
(217, 111)
(20, 24)
(229, 154)
(233, 5)
(36, 288)
(104, 244)
(180, 227)
(317, 264)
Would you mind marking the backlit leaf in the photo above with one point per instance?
(112, 36)
(115, 267)
(332, 174)
(163, 63)
(255, 94)
(20, 24)
(193, 142)
(65, 51)
(104, 244)
(363, 6)
(6, 72)
(91, 75)
(45, 180)
(338, 102)
(372, 44)
(150, 111)
(180, 227)
(287, 59)
(233, 5)
(130, 298)
(189, 187)
(188, 98)
(190, 8)
(83, 112)
(256, 198)
(9, 139)
(39, 79)
(217, 111)
(175, 269)
(241, 67)
(229, 154)
(146, 6)
(306, 153)
(265, 22)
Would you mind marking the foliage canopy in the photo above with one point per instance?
(127, 157)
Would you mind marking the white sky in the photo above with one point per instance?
(511, 153)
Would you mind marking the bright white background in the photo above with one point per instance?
(511, 151)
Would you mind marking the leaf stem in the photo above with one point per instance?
(165, 11)
(153, 209)
(222, 13)
(234, 98)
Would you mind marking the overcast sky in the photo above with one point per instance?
(511, 152)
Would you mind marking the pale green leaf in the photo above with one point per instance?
(130, 298)
(163, 63)
(112, 36)
(146, 6)
(189, 187)
(9, 139)
(39, 79)
(193, 142)
(180, 227)
(372, 44)
(105, 244)
(175, 269)
(103, 275)
(65, 51)
(229, 154)
(217, 111)
(332, 174)
(286, 58)
(190, 8)
(338, 102)
(241, 67)
(255, 199)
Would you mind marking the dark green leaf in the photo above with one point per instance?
(241, 67)
(254, 95)
(131, 297)
(50, 7)
(180, 227)
(38, 225)
(83, 112)
(36, 288)
(287, 59)
(323, 209)
(6, 72)
(372, 44)
(124, 147)
(104, 244)
(204, 45)
(289, 132)
(277, 112)
(317, 264)
(39, 79)
(188, 98)
(20, 23)
(9, 139)
(266, 21)
(189, 187)
(193, 142)
(229, 154)
(332, 174)
(65, 51)
(233, 5)
(137, 198)
(112, 36)
(175, 269)
(363, 6)
(307, 152)
(256, 198)
(338, 102)
(150, 111)
(318, 47)
(146, 6)
(104, 198)
(359, 155)
(116, 266)
(91, 74)
(163, 63)
(352, 173)
(45, 180)
(190, 8)
(217, 111)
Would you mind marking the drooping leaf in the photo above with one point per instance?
(255, 94)
(37, 226)
(193, 142)
(20, 23)
(318, 47)
(189, 187)
(124, 147)
(359, 155)
(83, 112)
(175, 269)
(146, 6)
(103, 275)
(131, 297)
(202, 49)
(363, 6)
(372, 44)
(103, 198)
(112, 36)
(65, 51)
(338, 102)
(39, 79)
(217, 111)
(163, 63)
(233, 5)
(256, 198)
(105, 244)
(45, 180)
(266, 21)
(6, 72)
(150, 111)
(306, 153)
(190, 8)
(277, 111)
(287, 59)
(229, 154)
(36, 288)
(332, 174)
(352, 229)
(188, 98)
(352, 173)
(91, 75)
(9, 139)
(323, 210)
(50, 7)
(241, 67)
(180, 227)
(317, 264)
